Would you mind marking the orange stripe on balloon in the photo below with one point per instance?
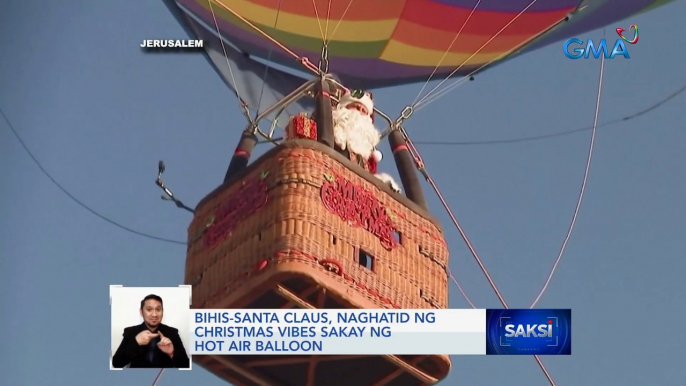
(415, 35)
(397, 52)
(360, 10)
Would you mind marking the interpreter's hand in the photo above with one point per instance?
(166, 345)
(144, 337)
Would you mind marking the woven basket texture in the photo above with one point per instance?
(280, 209)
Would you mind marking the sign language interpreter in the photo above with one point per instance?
(151, 343)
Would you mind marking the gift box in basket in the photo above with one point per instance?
(301, 126)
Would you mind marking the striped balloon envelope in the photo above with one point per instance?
(380, 43)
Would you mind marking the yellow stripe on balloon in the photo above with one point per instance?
(351, 31)
(397, 52)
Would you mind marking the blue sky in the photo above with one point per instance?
(99, 114)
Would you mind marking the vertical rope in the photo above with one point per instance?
(341, 19)
(266, 68)
(583, 186)
(157, 378)
(477, 51)
(241, 102)
(429, 179)
(446, 53)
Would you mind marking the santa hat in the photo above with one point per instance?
(374, 160)
(359, 96)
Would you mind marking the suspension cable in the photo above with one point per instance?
(323, 66)
(459, 287)
(302, 59)
(428, 99)
(446, 52)
(266, 68)
(583, 186)
(319, 22)
(71, 196)
(422, 168)
(243, 106)
(341, 19)
(479, 50)
(157, 378)
(410, 109)
(328, 17)
(633, 115)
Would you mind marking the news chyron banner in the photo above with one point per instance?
(529, 332)
(338, 332)
(155, 327)
(380, 332)
(150, 327)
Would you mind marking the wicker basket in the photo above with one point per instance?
(302, 226)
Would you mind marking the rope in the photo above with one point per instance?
(266, 68)
(471, 248)
(481, 48)
(422, 168)
(323, 31)
(429, 179)
(583, 186)
(561, 133)
(341, 19)
(319, 23)
(303, 60)
(157, 378)
(427, 99)
(72, 197)
(241, 102)
(328, 17)
(446, 52)
(323, 66)
(459, 287)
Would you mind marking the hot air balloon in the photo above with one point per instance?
(305, 226)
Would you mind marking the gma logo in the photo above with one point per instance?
(590, 48)
(531, 330)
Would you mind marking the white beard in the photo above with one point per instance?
(354, 131)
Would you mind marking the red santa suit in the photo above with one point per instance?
(354, 132)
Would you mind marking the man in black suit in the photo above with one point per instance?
(151, 343)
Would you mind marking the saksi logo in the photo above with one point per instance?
(529, 330)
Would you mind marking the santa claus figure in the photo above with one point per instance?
(355, 135)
